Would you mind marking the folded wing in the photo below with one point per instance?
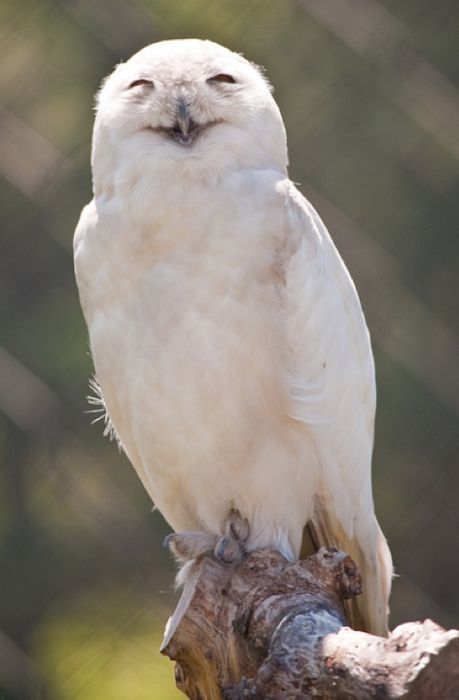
(330, 369)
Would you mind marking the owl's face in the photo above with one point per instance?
(188, 99)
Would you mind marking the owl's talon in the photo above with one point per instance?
(237, 527)
(228, 551)
(175, 543)
(186, 546)
(167, 542)
(231, 547)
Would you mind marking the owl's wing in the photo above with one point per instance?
(330, 369)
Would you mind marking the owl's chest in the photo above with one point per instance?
(200, 305)
(189, 330)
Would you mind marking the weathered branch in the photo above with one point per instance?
(268, 628)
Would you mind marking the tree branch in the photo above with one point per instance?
(267, 628)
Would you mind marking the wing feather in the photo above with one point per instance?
(331, 376)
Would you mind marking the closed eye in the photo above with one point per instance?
(221, 78)
(141, 81)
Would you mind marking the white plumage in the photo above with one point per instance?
(227, 335)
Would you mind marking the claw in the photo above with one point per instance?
(236, 526)
(167, 542)
(186, 546)
(228, 551)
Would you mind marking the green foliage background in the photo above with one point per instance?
(369, 95)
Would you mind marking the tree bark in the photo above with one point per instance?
(266, 628)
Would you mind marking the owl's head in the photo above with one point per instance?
(188, 105)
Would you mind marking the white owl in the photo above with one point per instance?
(227, 335)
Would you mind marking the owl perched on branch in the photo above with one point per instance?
(227, 335)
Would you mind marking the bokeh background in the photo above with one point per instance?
(369, 95)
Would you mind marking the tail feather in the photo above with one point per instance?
(369, 611)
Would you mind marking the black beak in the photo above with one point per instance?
(183, 116)
(185, 130)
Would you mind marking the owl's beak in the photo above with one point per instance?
(185, 130)
(183, 116)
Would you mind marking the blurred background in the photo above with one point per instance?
(368, 91)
